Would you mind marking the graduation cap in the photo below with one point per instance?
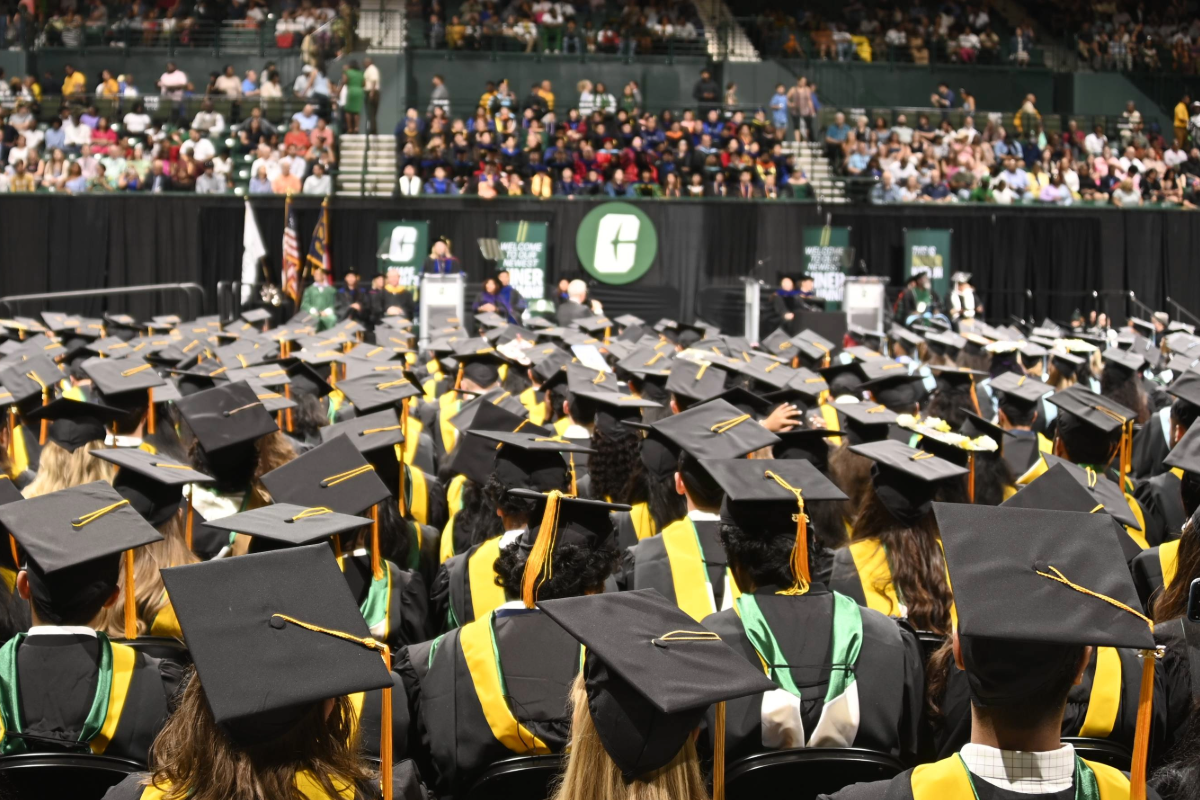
(531, 461)
(815, 349)
(538, 323)
(1186, 387)
(844, 379)
(906, 479)
(1129, 363)
(509, 333)
(1021, 390)
(778, 342)
(715, 429)
(746, 401)
(1100, 413)
(272, 400)
(1185, 455)
(898, 389)
(805, 444)
(1181, 326)
(306, 380)
(289, 525)
(696, 381)
(612, 407)
(72, 538)
(58, 322)
(378, 390)
(74, 423)
(595, 325)
(863, 353)
(475, 457)
(910, 339)
(772, 374)
(766, 498)
(865, 422)
(975, 426)
(1180, 364)
(115, 377)
(477, 361)
(1104, 491)
(650, 672)
(368, 432)
(805, 385)
(627, 320)
(263, 374)
(334, 475)
(956, 376)
(152, 483)
(877, 369)
(647, 362)
(1055, 489)
(1142, 325)
(273, 635)
(945, 343)
(491, 319)
(226, 415)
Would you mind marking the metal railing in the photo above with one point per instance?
(194, 295)
(1178, 310)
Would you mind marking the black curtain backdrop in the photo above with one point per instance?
(55, 243)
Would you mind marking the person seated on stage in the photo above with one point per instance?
(845, 676)
(1160, 573)
(352, 299)
(1159, 495)
(918, 299)
(577, 305)
(440, 262)
(65, 684)
(894, 561)
(287, 696)
(392, 299)
(567, 550)
(686, 562)
(488, 300)
(1009, 566)
(648, 677)
(465, 588)
(964, 300)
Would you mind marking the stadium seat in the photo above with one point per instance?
(163, 647)
(1102, 751)
(80, 776)
(930, 642)
(528, 777)
(804, 774)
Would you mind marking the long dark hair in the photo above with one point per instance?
(851, 473)
(992, 476)
(1117, 385)
(476, 521)
(616, 464)
(915, 557)
(1173, 601)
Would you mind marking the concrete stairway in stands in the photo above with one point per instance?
(366, 168)
(810, 157)
(716, 16)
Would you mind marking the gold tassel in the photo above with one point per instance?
(130, 599)
(385, 732)
(287, 414)
(376, 561)
(44, 430)
(719, 753)
(187, 528)
(538, 567)
(12, 543)
(337, 550)
(404, 429)
(458, 377)
(401, 504)
(333, 374)
(150, 415)
(12, 433)
(971, 477)
(799, 558)
(1141, 735)
(975, 398)
(574, 479)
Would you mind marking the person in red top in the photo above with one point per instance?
(321, 136)
(296, 137)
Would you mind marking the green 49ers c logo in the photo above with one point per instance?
(616, 243)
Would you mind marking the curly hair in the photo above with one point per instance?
(951, 402)
(476, 521)
(308, 417)
(1120, 387)
(767, 560)
(915, 557)
(520, 509)
(577, 570)
(616, 464)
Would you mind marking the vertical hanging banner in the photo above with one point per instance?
(523, 254)
(826, 253)
(928, 250)
(403, 244)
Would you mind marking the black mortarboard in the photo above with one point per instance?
(647, 362)
(756, 498)
(805, 444)
(650, 672)
(975, 426)
(538, 323)
(378, 390)
(844, 379)
(244, 619)
(715, 429)
(1098, 412)
(1127, 361)
(1186, 387)
(74, 423)
(1180, 364)
(368, 432)
(1055, 489)
(271, 399)
(290, 524)
(153, 484)
(574, 520)
(474, 456)
(479, 361)
(1020, 390)
(529, 461)
(612, 407)
(264, 374)
(805, 385)
(695, 381)
(956, 376)
(813, 347)
(945, 343)
(226, 415)
(1066, 362)
(876, 369)
(906, 479)
(256, 315)
(333, 474)
(746, 401)
(897, 390)
(626, 320)
(778, 342)
(490, 319)
(115, 377)
(865, 422)
(909, 338)
(864, 353)
(1185, 455)
(771, 374)
(1105, 492)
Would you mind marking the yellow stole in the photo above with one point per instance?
(560, 427)
(643, 523)
(9, 577)
(689, 574)
(1168, 560)
(308, 786)
(166, 623)
(1009, 491)
(1105, 699)
(478, 643)
(419, 505)
(486, 596)
(448, 406)
(20, 461)
(875, 575)
(829, 414)
(531, 399)
(122, 675)
(412, 437)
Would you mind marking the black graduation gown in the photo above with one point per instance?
(1150, 447)
(538, 664)
(1021, 451)
(954, 729)
(1176, 672)
(647, 566)
(406, 785)
(890, 675)
(450, 600)
(408, 606)
(1162, 504)
(1147, 575)
(371, 718)
(57, 676)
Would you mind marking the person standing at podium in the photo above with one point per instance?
(440, 262)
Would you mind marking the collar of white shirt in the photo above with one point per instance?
(61, 630)
(1021, 772)
(509, 538)
(697, 515)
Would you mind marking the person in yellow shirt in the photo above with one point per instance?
(546, 92)
(1182, 114)
(74, 83)
(108, 86)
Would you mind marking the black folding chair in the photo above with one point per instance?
(1102, 751)
(804, 774)
(930, 643)
(36, 776)
(527, 777)
(164, 647)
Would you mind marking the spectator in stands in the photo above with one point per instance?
(318, 182)
(706, 92)
(173, 82)
(1022, 42)
(835, 139)
(937, 191)
(439, 98)
(307, 117)
(208, 119)
(911, 193)
(209, 182)
(1087, 46)
(942, 97)
(409, 183)
(286, 183)
(272, 88)
(440, 183)
(75, 182)
(99, 184)
(260, 183)
(1126, 194)
(885, 191)
(859, 159)
(21, 180)
(74, 83)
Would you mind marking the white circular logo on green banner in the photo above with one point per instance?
(616, 243)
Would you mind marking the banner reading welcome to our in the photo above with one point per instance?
(928, 250)
(523, 254)
(825, 252)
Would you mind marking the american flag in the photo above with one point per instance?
(291, 253)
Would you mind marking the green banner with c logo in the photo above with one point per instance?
(616, 243)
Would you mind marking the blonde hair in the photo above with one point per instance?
(149, 594)
(591, 773)
(60, 469)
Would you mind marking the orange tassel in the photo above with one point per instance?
(376, 562)
(458, 378)
(538, 567)
(287, 414)
(337, 549)
(385, 733)
(401, 499)
(44, 430)
(1141, 736)
(12, 433)
(719, 753)
(150, 415)
(187, 527)
(975, 398)
(574, 479)
(130, 598)
(404, 430)
(971, 477)
(12, 542)
(333, 373)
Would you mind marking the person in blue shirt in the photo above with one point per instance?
(489, 297)
(936, 190)
(509, 301)
(835, 138)
(440, 262)
(439, 183)
(858, 161)
(779, 109)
